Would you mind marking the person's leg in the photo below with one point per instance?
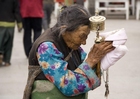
(37, 27)
(91, 7)
(48, 9)
(49, 13)
(27, 37)
(91, 10)
(8, 45)
(80, 2)
(2, 34)
(1, 59)
(45, 19)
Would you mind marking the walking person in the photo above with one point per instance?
(9, 13)
(48, 7)
(32, 14)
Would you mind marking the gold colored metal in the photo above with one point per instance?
(97, 23)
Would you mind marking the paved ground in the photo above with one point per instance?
(124, 76)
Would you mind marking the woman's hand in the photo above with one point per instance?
(98, 51)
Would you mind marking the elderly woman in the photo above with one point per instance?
(57, 65)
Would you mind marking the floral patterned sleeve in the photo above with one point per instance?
(69, 82)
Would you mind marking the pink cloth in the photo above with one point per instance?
(119, 39)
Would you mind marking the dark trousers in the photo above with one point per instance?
(6, 42)
(48, 9)
(29, 25)
(80, 2)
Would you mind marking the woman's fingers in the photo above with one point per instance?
(108, 47)
(98, 51)
(102, 48)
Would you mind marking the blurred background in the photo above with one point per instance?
(124, 75)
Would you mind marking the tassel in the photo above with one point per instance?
(107, 90)
(106, 83)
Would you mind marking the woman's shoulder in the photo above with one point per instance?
(48, 44)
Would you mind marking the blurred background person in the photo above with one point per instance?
(80, 2)
(61, 2)
(32, 14)
(68, 2)
(58, 4)
(9, 13)
(48, 8)
(91, 7)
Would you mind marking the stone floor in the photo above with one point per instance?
(124, 76)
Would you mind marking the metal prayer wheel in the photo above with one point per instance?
(97, 23)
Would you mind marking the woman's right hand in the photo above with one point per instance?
(98, 51)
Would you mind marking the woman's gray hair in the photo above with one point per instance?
(71, 17)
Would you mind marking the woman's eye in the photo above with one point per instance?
(83, 36)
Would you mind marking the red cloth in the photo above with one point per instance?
(60, 1)
(31, 8)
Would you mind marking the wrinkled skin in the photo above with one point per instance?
(76, 38)
(97, 52)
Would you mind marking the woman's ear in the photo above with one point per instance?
(63, 29)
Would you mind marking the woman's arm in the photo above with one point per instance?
(70, 83)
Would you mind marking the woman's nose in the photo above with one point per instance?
(84, 42)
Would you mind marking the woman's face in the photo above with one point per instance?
(76, 38)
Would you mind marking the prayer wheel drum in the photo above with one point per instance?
(97, 23)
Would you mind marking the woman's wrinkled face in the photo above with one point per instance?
(76, 38)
